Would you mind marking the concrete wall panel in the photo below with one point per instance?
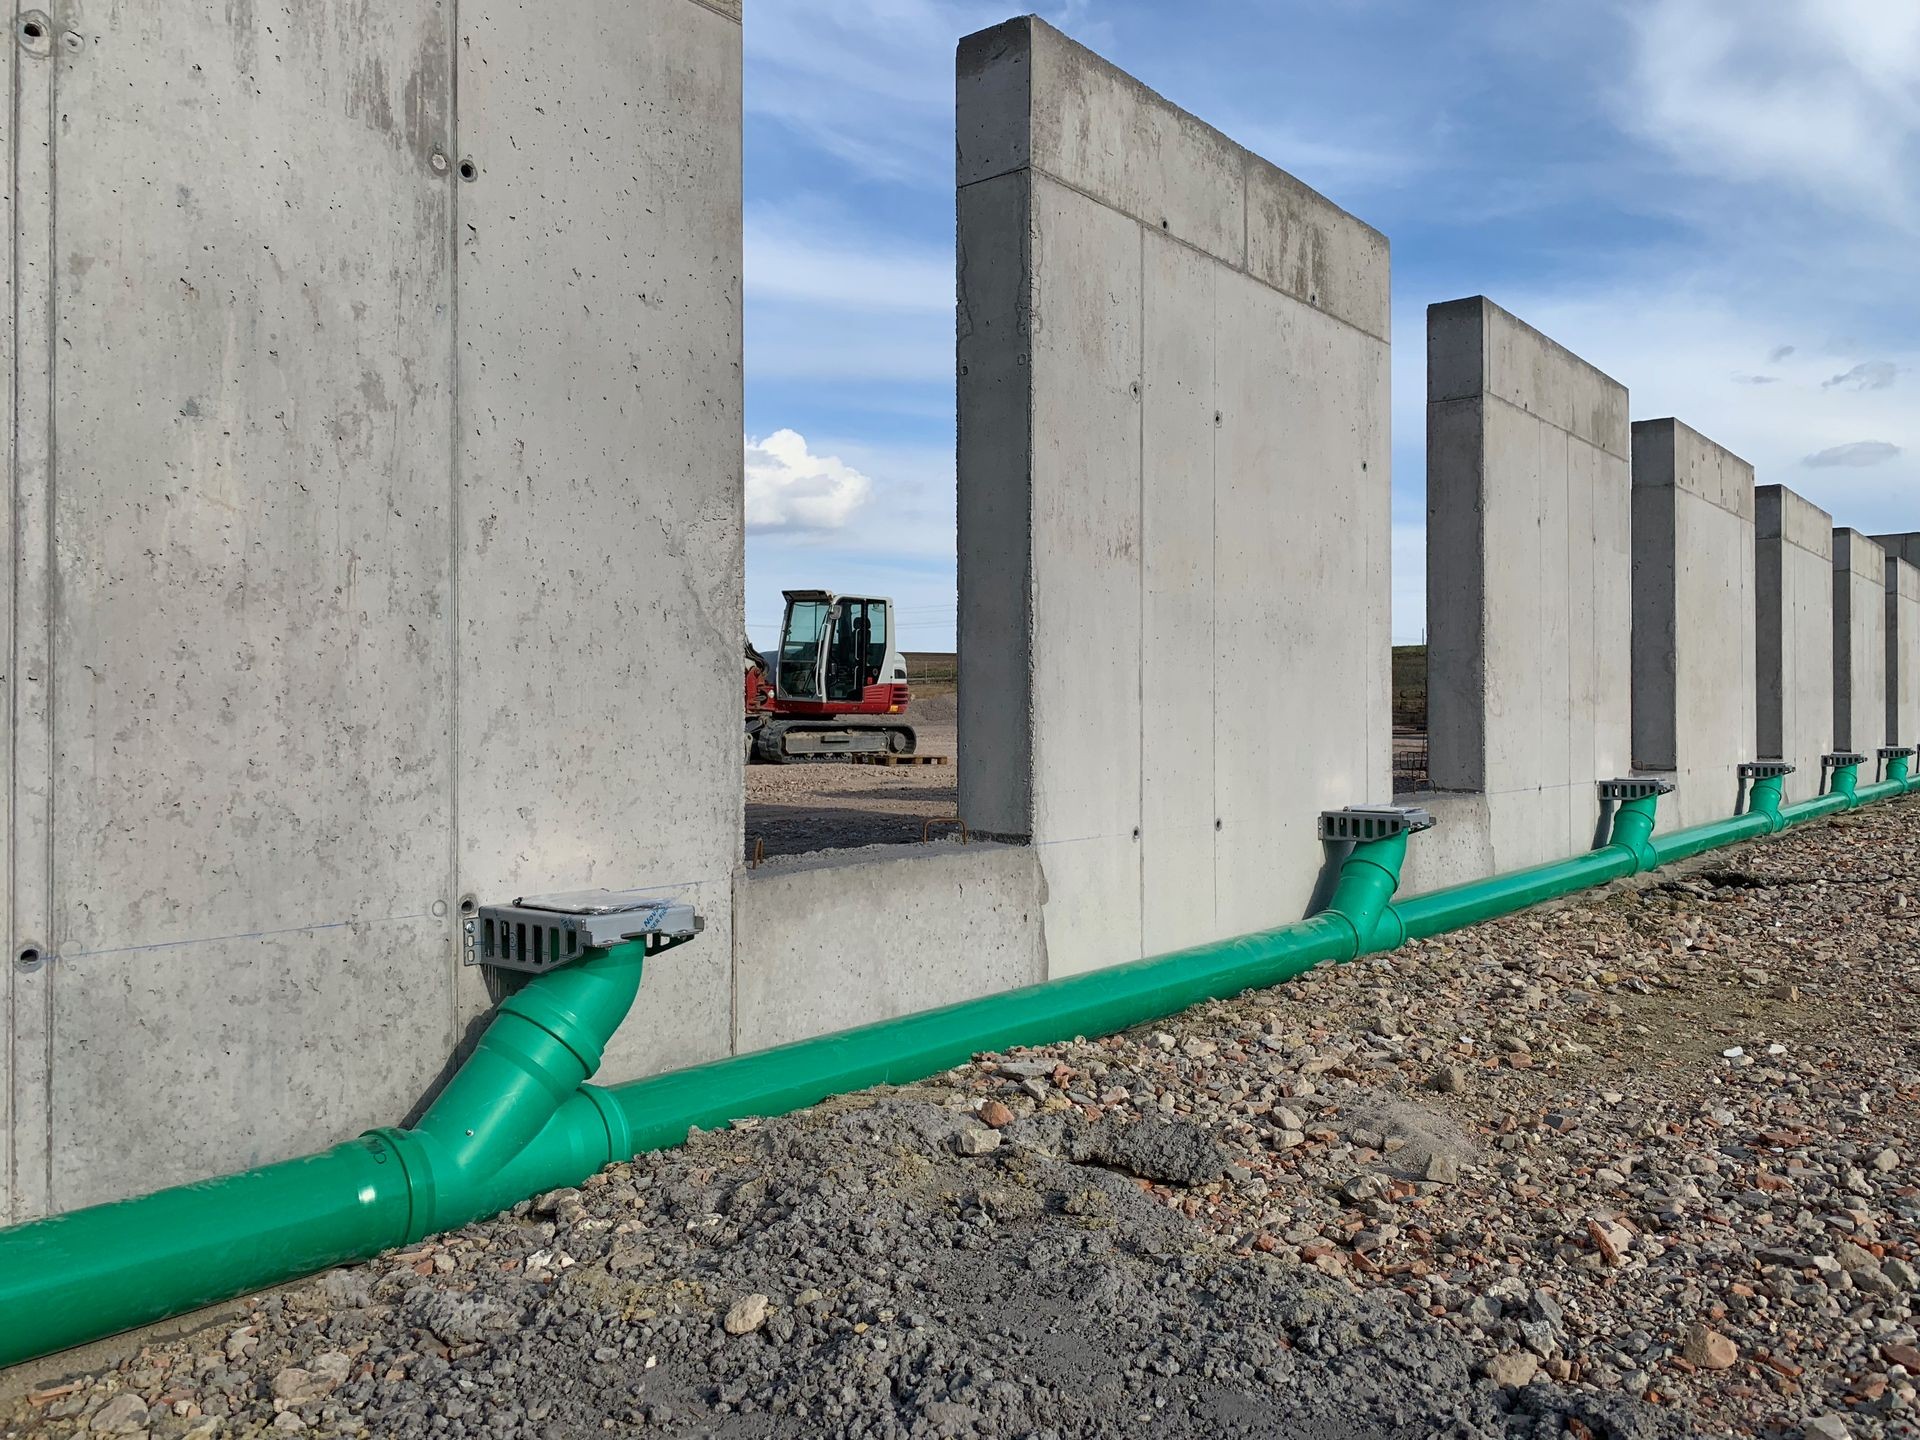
(600, 490)
(367, 513)
(1793, 586)
(1903, 636)
(1859, 642)
(1173, 503)
(1694, 618)
(1528, 574)
(1086, 583)
(1179, 689)
(1903, 652)
(1302, 593)
(251, 675)
(824, 943)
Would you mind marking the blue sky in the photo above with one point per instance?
(1718, 203)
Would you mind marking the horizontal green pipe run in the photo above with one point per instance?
(508, 1126)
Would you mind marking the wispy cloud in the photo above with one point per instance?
(1869, 375)
(846, 264)
(1853, 456)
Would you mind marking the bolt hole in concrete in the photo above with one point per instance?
(32, 30)
(469, 170)
(468, 904)
(29, 957)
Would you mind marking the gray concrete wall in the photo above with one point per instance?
(365, 514)
(1694, 618)
(1903, 652)
(1793, 586)
(1859, 642)
(1173, 505)
(1903, 663)
(1529, 573)
(831, 941)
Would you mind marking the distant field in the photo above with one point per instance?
(924, 665)
(1410, 685)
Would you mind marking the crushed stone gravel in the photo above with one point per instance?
(1641, 1164)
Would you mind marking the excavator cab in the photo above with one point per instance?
(834, 648)
(838, 682)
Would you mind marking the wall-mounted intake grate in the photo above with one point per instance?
(1895, 752)
(1635, 787)
(538, 933)
(1360, 823)
(1841, 758)
(1765, 769)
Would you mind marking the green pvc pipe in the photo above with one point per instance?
(515, 1119)
(518, 1117)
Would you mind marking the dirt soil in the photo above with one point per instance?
(836, 804)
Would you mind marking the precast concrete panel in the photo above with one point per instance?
(376, 524)
(1179, 683)
(1301, 633)
(1173, 477)
(599, 599)
(241, 588)
(1903, 652)
(1793, 587)
(1903, 681)
(1528, 580)
(1859, 642)
(1694, 618)
(812, 953)
(1086, 584)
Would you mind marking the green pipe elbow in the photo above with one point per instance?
(1899, 767)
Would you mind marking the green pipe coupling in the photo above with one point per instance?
(1842, 774)
(1634, 798)
(1764, 779)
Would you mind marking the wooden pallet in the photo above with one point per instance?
(877, 759)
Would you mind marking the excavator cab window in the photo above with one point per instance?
(851, 659)
(799, 677)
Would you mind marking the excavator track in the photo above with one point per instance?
(782, 742)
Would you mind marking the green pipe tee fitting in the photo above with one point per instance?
(1363, 896)
(1844, 777)
(1634, 818)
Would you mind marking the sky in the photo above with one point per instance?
(1717, 203)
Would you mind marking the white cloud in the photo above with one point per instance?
(1821, 95)
(790, 489)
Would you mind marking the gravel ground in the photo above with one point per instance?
(836, 805)
(1641, 1165)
